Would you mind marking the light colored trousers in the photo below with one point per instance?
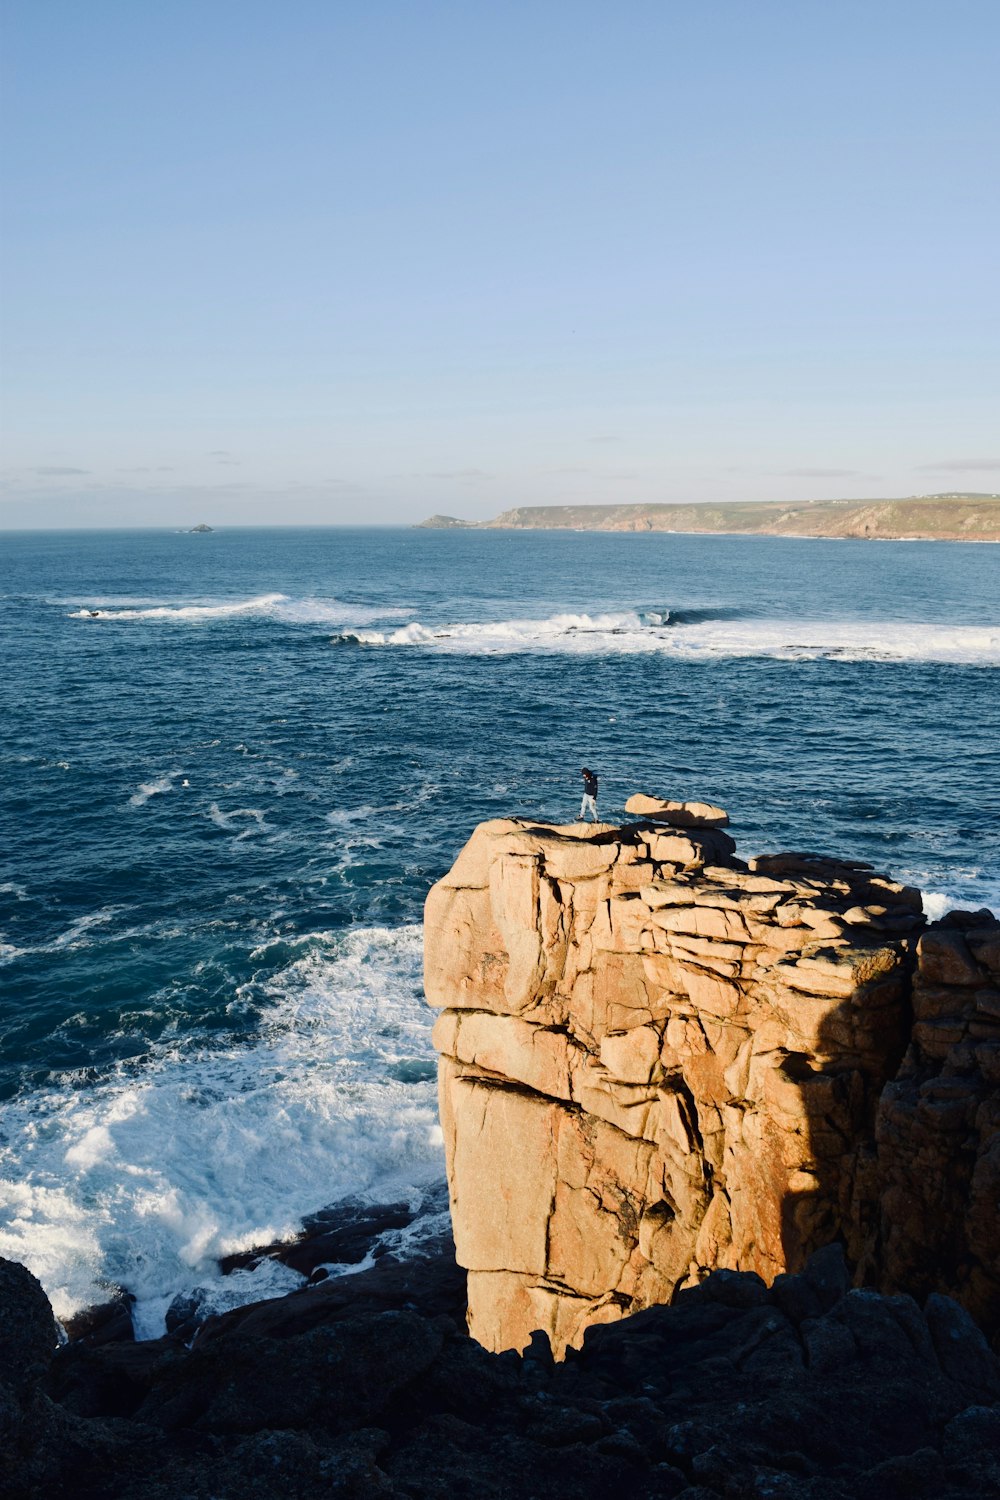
(588, 804)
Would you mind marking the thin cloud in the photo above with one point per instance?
(459, 474)
(50, 470)
(321, 487)
(960, 466)
(611, 438)
(820, 474)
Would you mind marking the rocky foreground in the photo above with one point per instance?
(369, 1386)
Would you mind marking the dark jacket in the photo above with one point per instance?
(590, 783)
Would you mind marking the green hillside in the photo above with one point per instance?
(950, 517)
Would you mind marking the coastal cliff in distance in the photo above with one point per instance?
(659, 1062)
(945, 518)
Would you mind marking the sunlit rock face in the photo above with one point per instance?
(656, 1060)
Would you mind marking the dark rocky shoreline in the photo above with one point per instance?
(349, 1233)
(368, 1385)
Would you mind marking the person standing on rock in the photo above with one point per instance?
(589, 803)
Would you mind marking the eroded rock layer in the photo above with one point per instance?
(657, 1061)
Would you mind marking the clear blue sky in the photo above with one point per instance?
(362, 260)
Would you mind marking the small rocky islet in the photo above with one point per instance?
(723, 1150)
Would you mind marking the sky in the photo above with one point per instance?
(360, 261)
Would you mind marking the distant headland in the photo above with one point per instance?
(200, 528)
(942, 518)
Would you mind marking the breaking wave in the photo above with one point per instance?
(76, 935)
(205, 1147)
(241, 820)
(154, 788)
(699, 634)
(263, 606)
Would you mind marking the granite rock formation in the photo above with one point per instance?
(657, 1061)
(938, 1126)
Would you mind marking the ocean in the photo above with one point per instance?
(233, 764)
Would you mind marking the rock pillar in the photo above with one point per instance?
(655, 1059)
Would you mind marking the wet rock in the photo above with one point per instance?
(105, 1322)
(344, 1234)
(185, 1312)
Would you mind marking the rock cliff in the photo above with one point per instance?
(657, 1061)
(948, 517)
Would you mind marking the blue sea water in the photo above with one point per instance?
(232, 764)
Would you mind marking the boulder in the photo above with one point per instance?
(678, 814)
(28, 1335)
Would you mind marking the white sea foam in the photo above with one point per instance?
(236, 821)
(77, 931)
(721, 634)
(343, 817)
(153, 788)
(938, 903)
(74, 936)
(205, 1147)
(78, 935)
(563, 631)
(311, 611)
(259, 605)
